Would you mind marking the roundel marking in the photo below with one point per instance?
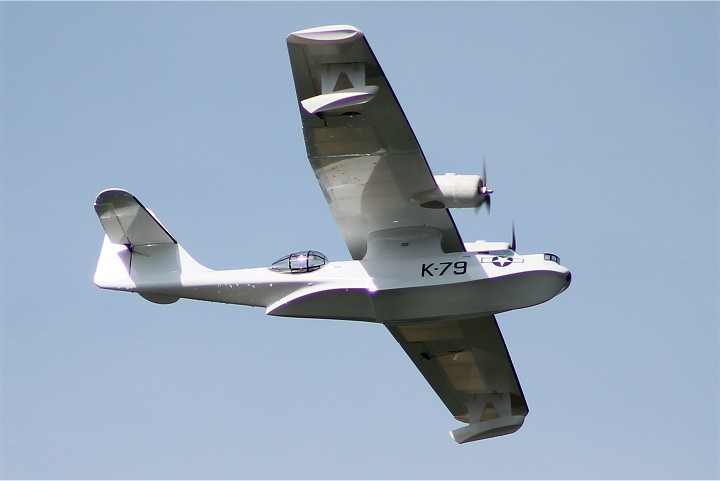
(502, 261)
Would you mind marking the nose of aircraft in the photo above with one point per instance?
(568, 279)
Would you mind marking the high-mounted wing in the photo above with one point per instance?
(359, 142)
(467, 364)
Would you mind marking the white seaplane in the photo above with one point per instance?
(411, 271)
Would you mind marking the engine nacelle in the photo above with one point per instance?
(455, 191)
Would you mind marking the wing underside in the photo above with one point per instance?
(467, 364)
(358, 140)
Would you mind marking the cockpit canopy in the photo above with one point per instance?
(299, 262)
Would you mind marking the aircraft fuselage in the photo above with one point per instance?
(375, 289)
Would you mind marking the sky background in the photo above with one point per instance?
(600, 127)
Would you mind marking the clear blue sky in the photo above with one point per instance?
(599, 123)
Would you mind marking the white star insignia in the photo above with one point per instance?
(502, 261)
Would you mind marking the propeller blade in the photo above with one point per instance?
(484, 177)
(513, 246)
(486, 202)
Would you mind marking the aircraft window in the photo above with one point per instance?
(299, 262)
(552, 257)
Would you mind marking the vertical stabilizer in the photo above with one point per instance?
(138, 252)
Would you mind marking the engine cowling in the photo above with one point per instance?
(455, 191)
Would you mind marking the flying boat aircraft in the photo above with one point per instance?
(410, 269)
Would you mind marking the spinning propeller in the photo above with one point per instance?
(484, 190)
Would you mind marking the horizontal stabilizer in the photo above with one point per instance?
(126, 221)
